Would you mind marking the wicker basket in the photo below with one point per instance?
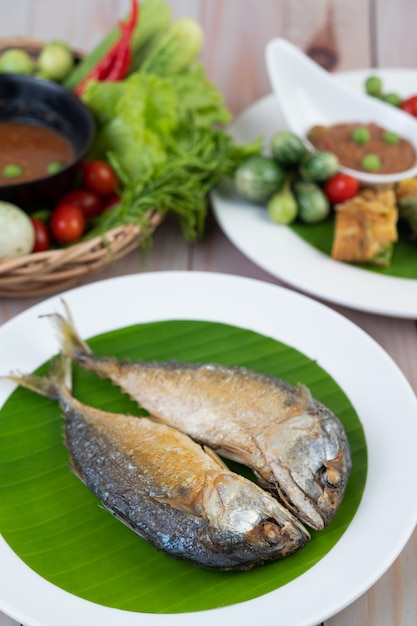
(46, 272)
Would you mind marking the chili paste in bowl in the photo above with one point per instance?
(365, 147)
(45, 131)
(31, 151)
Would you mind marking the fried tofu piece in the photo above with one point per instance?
(366, 227)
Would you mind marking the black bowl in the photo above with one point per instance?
(38, 101)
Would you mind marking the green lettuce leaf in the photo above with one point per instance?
(136, 119)
(101, 98)
(199, 101)
(139, 119)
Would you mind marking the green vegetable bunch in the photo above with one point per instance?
(159, 125)
(289, 181)
(161, 128)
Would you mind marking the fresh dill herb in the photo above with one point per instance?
(180, 186)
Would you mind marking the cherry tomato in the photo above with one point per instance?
(410, 105)
(42, 236)
(67, 223)
(99, 177)
(88, 201)
(341, 187)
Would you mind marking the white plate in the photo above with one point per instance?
(279, 251)
(374, 384)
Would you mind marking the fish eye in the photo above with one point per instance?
(329, 476)
(271, 532)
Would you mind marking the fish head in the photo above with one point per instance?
(309, 459)
(241, 512)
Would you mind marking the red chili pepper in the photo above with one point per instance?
(115, 64)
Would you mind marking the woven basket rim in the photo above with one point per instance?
(41, 273)
(57, 254)
(31, 44)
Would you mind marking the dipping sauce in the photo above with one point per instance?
(29, 152)
(355, 143)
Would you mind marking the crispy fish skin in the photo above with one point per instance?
(169, 490)
(295, 445)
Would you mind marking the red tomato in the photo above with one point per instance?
(88, 201)
(67, 223)
(410, 105)
(42, 236)
(341, 187)
(99, 177)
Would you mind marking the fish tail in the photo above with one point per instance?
(51, 385)
(70, 341)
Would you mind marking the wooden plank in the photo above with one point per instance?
(80, 23)
(395, 33)
(326, 29)
(15, 21)
(236, 33)
(7, 621)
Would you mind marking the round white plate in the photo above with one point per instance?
(279, 251)
(374, 384)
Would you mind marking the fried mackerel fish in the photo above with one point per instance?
(167, 488)
(297, 447)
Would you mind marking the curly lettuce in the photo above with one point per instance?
(135, 120)
(163, 137)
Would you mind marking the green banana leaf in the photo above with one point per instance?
(404, 258)
(56, 526)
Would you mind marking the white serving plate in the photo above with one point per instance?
(374, 384)
(284, 255)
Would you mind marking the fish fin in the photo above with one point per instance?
(215, 457)
(180, 505)
(304, 401)
(306, 397)
(69, 339)
(233, 453)
(156, 418)
(48, 386)
(73, 469)
(61, 371)
(38, 384)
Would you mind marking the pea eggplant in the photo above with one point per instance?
(319, 166)
(313, 205)
(283, 207)
(257, 178)
(289, 182)
(287, 149)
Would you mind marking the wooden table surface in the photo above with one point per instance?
(344, 34)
